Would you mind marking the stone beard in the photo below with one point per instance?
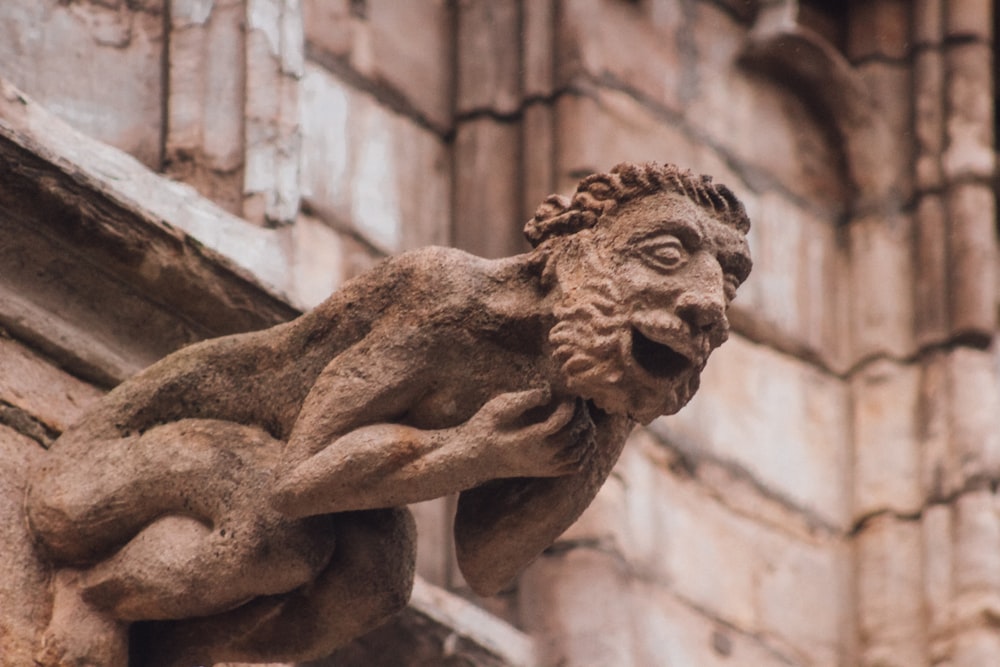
(605, 359)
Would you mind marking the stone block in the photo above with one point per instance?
(327, 25)
(488, 56)
(931, 307)
(881, 281)
(887, 461)
(710, 545)
(322, 259)
(879, 29)
(889, 594)
(969, 101)
(488, 216)
(972, 259)
(938, 558)
(939, 470)
(370, 169)
(419, 65)
(577, 605)
(95, 65)
(670, 631)
(538, 157)
(975, 413)
(274, 65)
(637, 45)
(29, 382)
(975, 647)
(928, 22)
(928, 117)
(796, 293)
(781, 420)
(969, 18)
(538, 44)
(891, 90)
(366, 38)
(977, 543)
(204, 132)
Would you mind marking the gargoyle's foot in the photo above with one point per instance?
(368, 580)
(79, 635)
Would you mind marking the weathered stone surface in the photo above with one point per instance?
(415, 69)
(87, 232)
(969, 124)
(537, 172)
(493, 82)
(797, 297)
(781, 415)
(118, 96)
(438, 629)
(779, 131)
(887, 461)
(371, 169)
(879, 29)
(928, 117)
(743, 567)
(972, 260)
(206, 67)
(637, 45)
(938, 566)
(890, 602)
(233, 519)
(969, 18)
(928, 22)
(975, 411)
(275, 55)
(538, 44)
(487, 202)
(881, 282)
(653, 624)
(322, 258)
(932, 319)
(48, 394)
(977, 543)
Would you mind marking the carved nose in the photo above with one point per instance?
(704, 313)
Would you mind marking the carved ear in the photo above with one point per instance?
(502, 526)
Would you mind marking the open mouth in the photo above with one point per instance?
(657, 359)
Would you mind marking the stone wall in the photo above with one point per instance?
(829, 497)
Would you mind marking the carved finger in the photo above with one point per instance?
(561, 416)
(506, 408)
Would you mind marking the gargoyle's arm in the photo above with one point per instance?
(501, 526)
(388, 465)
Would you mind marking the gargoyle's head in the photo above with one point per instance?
(647, 259)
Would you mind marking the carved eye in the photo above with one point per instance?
(665, 252)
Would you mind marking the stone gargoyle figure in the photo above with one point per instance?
(244, 498)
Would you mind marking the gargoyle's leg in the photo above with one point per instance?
(368, 580)
(177, 567)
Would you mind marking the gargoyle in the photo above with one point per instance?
(244, 498)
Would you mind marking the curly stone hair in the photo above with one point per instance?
(599, 194)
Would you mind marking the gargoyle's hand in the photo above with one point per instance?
(530, 435)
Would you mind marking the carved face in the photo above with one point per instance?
(644, 301)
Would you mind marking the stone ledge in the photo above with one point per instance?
(438, 628)
(88, 232)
